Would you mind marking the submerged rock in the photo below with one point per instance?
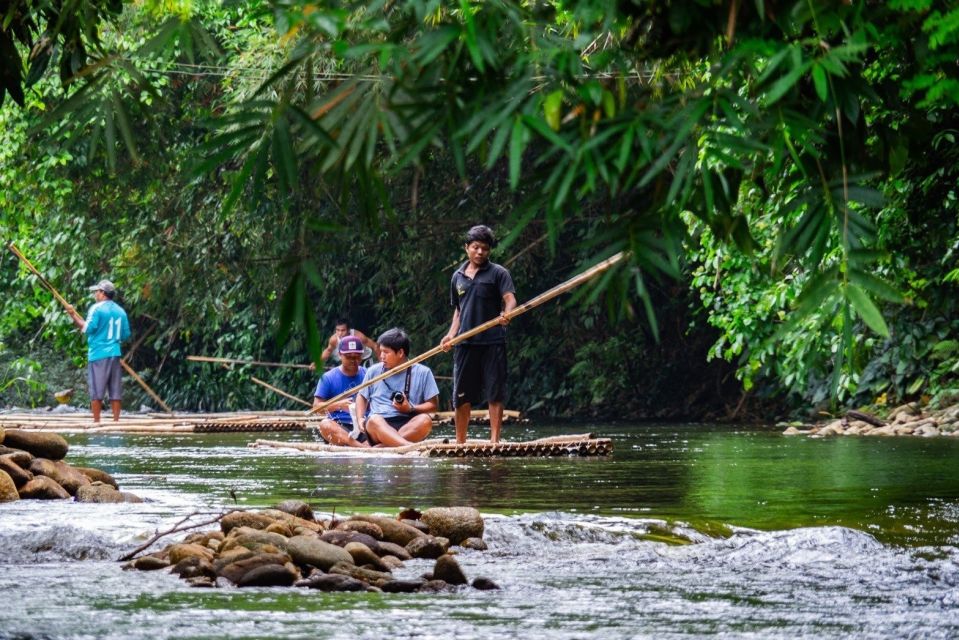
(393, 530)
(454, 523)
(448, 570)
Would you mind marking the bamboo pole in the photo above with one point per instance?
(546, 296)
(250, 362)
(279, 391)
(69, 307)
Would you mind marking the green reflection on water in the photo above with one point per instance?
(903, 490)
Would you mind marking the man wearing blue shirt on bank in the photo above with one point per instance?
(106, 327)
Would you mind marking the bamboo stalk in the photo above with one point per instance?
(546, 296)
(279, 391)
(250, 362)
(69, 307)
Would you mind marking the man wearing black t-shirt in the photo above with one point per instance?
(480, 291)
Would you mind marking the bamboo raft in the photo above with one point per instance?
(569, 445)
(167, 423)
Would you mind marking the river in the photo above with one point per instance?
(685, 531)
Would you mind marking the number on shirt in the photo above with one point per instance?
(110, 323)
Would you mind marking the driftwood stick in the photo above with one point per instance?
(175, 529)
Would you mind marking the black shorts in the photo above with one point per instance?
(346, 426)
(479, 373)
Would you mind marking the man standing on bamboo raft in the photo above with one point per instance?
(400, 405)
(105, 327)
(480, 291)
(337, 427)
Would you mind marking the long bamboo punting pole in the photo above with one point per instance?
(279, 391)
(250, 362)
(546, 296)
(68, 307)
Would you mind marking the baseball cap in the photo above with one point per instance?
(351, 344)
(104, 285)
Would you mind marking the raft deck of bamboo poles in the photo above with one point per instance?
(568, 445)
(161, 423)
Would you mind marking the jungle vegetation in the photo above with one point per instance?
(783, 175)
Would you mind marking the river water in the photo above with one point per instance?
(685, 531)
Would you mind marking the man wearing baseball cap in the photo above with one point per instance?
(106, 327)
(336, 428)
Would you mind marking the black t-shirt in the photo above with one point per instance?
(480, 300)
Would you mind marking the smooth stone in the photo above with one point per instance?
(370, 576)
(416, 524)
(51, 446)
(454, 523)
(359, 526)
(22, 458)
(341, 538)
(331, 582)
(150, 563)
(363, 555)
(435, 586)
(292, 520)
(62, 473)
(244, 519)
(403, 586)
(8, 489)
(391, 549)
(448, 570)
(18, 474)
(477, 544)
(43, 488)
(202, 582)
(296, 508)
(308, 550)
(429, 547)
(269, 575)
(98, 492)
(98, 475)
(192, 567)
(393, 530)
(178, 552)
(484, 584)
(235, 571)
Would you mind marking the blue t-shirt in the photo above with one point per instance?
(107, 327)
(422, 388)
(333, 383)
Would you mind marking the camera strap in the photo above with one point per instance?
(409, 377)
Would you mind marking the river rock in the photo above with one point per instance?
(392, 562)
(51, 446)
(430, 547)
(369, 576)
(363, 555)
(269, 575)
(484, 584)
(342, 538)
(235, 571)
(477, 544)
(332, 582)
(416, 524)
(403, 586)
(244, 519)
(297, 508)
(22, 458)
(927, 431)
(98, 492)
(448, 570)
(254, 540)
(454, 523)
(98, 475)
(309, 550)
(150, 563)
(2, 434)
(393, 530)
(18, 474)
(281, 528)
(435, 586)
(888, 430)
(8, 489)
(293, 521)
(367, 528)
(178, 552)
(192, 567)
(62, 473)
(43, 488)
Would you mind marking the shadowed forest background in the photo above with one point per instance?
(783, 173)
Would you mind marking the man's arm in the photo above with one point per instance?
(366, 340)
(330, 345)
(361, 412)
(509, 303)
(77, 319)
(454, 327)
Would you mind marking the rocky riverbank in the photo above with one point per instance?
(32, 467)
(288, 547)
(905, 420)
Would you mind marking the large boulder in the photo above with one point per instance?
(430, 547)
(310, 550)
(98, 475)
(269, 575)
(235, 571)
(41, 444)
(18, 474)
(19, 456)
(178, 552)
(43, 488)
(98, 492)
(393, 530)
(454, 523)
(8, 490)
(64, 475)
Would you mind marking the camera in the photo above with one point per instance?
(398, 397)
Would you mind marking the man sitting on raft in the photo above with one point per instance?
(400, 404)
